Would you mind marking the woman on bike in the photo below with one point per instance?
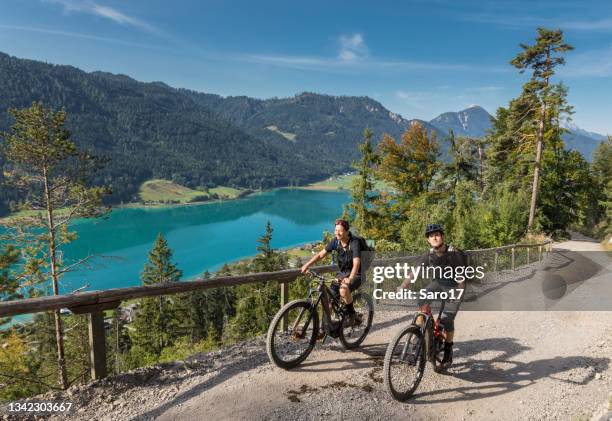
(349, 262)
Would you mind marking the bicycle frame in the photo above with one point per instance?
(428, 333)
(325, 297)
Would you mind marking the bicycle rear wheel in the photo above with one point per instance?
(404, 363)
(352, 336)
(288, 347)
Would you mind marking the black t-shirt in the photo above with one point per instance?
(345, 254)
(450, 258)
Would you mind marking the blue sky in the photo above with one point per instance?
(418, 58)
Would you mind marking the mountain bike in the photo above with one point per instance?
(407, 352)
(295, 328)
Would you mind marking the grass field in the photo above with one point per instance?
(164, 191)
(342, 182)
(30, 213)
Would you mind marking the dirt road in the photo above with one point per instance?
(509, 365)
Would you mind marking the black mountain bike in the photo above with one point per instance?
(295, 328)
(406, 354)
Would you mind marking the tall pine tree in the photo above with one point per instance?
(45, 164)
(158, 321)
(542, 58)
(363, 193)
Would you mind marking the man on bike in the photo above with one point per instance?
(443, 256)
(349, 263)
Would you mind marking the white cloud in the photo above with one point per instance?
(352, 47)
(598, 25)
(594, 63)
(89, 7)
(355, 64)
(422, 100)
(588, 25)
(79, 35)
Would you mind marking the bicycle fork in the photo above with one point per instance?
(423, 330)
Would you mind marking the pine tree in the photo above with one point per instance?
(542, 58)
(157, 322)
(9, 285)
(209, 309)
(602, 186)
(463, 165)
(362, 188)
(46, 165)
(257, 303)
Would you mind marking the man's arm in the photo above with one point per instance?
(355, 270)
(320, 255)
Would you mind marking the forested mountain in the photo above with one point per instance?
(151, 130)
(327, 128)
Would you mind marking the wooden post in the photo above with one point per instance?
(97, 335)
(512, 258)
(97, 345)
(284, 300)
(527, 255)
(495, 262)
(539, 253)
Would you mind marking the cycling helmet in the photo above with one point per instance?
(431, 228)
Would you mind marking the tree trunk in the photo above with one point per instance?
(536, 170)
(480, 169)
(539, 140)
(59, 331)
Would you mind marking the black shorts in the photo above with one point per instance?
(451, 307)
(355, 283)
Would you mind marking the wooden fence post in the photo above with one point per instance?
(97, 335)
(97, 345)
(539, 253)
(527, 255)
(284, 300)
(512, 258)
(495, 262)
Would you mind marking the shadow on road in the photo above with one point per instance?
(501, 373)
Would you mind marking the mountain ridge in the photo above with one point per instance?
(152, 130)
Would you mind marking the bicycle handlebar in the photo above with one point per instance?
(322, 278)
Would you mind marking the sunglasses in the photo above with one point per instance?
(343, 223)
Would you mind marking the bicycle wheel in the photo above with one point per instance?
(288, 347)
(404, 365)
(351, 337)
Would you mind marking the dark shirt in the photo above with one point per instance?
(452, 258)
(345, 254)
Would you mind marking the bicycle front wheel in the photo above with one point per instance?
(404, 363)
(289, 345)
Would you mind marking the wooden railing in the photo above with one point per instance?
(95, 303)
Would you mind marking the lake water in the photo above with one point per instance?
(203, 236)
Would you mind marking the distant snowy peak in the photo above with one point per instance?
(396, 117)
(577, 130)
(473, 121)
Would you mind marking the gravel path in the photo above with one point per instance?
(509, 365)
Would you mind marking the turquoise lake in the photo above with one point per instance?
(202, 236)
